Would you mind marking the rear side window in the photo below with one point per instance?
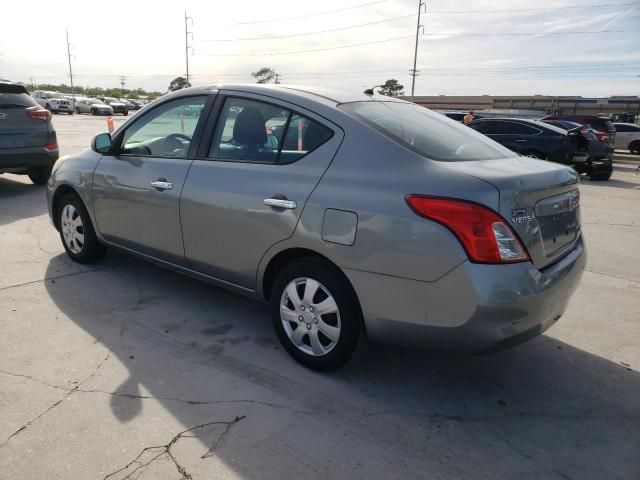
(425, 132)
(485, 127)
(251, 131)
(600, 124)
(16, 101)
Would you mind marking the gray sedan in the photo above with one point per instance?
(93, 106)
(355, 216)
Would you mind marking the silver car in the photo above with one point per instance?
(92, 106)
(354, 216)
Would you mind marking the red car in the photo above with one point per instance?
(602, 127)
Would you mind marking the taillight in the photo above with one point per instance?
(51, 146)
(485, 235)
(39, 113)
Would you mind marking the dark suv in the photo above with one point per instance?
(541, 140)
(28, 143)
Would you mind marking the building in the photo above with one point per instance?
(542, 103)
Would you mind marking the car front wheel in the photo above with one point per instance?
(316, 315)
(76, 231)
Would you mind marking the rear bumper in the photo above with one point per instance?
(23, 158)
(474, 308)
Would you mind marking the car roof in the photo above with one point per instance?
(290, 92)
(626, 124)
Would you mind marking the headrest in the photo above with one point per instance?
(249, 128)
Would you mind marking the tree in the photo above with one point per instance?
(392, 88)
(264, 75)
(178, 83)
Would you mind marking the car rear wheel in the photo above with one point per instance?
(316, 315)
(76, 231)
(634, 147)
(39, 175)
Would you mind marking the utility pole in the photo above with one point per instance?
(278, 78)
(123, 81)
(413, 72)
(69, 56)
(186, 41)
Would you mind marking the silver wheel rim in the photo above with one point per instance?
(310, 316)
(72, 229)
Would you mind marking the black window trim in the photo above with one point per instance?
(116, 148)
(207, 140)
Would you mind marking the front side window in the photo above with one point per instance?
(165, 131)
(253, 131)
(425, 132)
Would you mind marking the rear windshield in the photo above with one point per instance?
(425, 132)
(601, 124)
(12, 88)
(16, 100)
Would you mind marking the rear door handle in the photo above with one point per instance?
(162, 184)
(280, 203)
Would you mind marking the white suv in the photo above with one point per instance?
(53, 101)
(627, 137)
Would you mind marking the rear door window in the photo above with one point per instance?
(484, 127)
(252, 131)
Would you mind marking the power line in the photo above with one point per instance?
(566, 7)
(337, 29)
(526, 34)
(302, 51)
(337, 47)
(326, 12)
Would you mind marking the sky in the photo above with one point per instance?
(467, 47)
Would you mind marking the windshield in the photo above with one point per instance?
(111, 99)
(95, 101)
(55, 95)
(428, 133)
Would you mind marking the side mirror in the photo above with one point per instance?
(101, 143)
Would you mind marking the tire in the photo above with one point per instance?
(343, 323)
(39, 175)
(125, 113)
(534, 154)
(634, 147)
(70, 112)
(79, 241)
(94, 111)
(48, 107)
(600, 176)
(78, 110)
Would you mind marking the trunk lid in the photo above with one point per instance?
(539, 199)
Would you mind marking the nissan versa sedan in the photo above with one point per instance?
(355, 216)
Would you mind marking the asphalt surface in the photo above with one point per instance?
(100, 362)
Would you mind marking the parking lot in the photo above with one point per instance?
(100, 362)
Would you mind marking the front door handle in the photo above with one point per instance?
(162, 184)
(280, 203)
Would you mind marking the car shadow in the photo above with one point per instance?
(20, 199)
(541, 410)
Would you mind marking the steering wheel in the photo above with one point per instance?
(175, 141)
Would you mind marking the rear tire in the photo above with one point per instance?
(39, 175)
(320, 341)
(125, 113)
(634, 147)
(600, 176)
(76, 231)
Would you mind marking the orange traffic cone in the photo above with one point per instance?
(110, 123)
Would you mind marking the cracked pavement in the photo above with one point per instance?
(101, 364)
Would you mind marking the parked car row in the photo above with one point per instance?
(58, 103)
